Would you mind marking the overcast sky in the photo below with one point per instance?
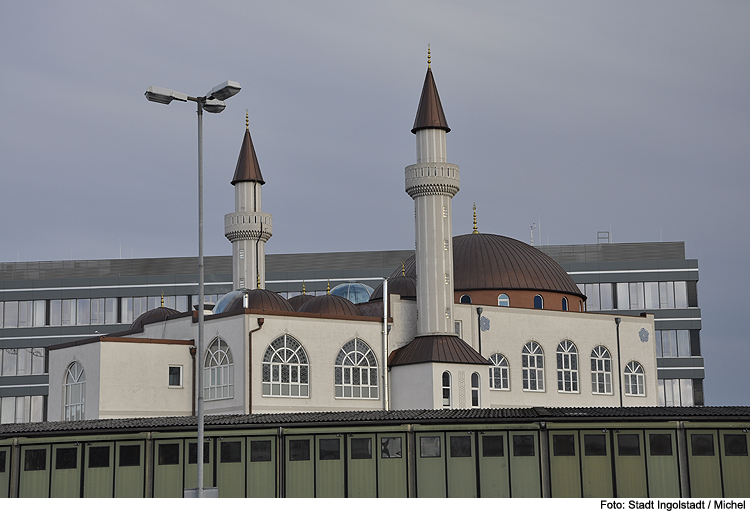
(632, 117)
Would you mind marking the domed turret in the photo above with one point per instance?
(152, 316)
(331, 305)
(257, 299)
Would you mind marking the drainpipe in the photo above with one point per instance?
(261, 321)
(619, 365)
(386, 400)
(192, 355)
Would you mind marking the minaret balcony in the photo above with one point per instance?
(432, 179)
(252, 226)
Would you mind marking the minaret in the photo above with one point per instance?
(248, 228)
(432, 183)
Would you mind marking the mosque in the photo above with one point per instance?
(473, 321)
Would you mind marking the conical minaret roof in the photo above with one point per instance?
(248, 169)
(430, 112)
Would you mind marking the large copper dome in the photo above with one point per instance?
(492, 262)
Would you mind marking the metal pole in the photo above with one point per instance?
(386, 401)
(619, 365)
(201, 299)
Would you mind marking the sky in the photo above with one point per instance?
(628, 117)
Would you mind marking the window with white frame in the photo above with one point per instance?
(601, 370)
(75, 392)
(175, 376)
(503, 300)
(567, 367)
(475, 389)
(356, 371)
(499, 372)
(635, 379)
(286, 369)
(218, 372)
(532, 362)
(446, 389)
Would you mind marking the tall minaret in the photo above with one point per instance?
(432, 183)
(248, 228)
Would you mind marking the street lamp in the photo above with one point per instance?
(213, 102)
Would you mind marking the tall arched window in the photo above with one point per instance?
(567, 367)
(532, 361)
(356, 371)
(601, 370)
(285, 368)
(218, 371)
(565, 304)
(635, 379)
(475, 389)
(503, 300)
(499, 372)
(75, 392)
(538, 302)
(446, 389)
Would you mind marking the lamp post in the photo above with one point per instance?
(212, 102)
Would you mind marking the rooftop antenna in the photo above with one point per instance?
(533, 227)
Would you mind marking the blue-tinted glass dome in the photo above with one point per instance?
(354, 292)
(228, 300)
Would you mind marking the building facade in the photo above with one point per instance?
(516, 334)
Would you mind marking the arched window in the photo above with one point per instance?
(635, 379)
(446, 389)
(503, 300)
(75, 392)
(465, 298)
(356, 371)
(218, 371)
(601, 371)
(567, 367)
(538, 302)
(532, 361)
(475, 389)
(499, 372)
(565, 304)
(285, 368)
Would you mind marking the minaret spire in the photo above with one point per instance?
(248, 228)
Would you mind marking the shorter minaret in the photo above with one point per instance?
(248, 228)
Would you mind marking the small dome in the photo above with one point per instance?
(404, 286)
(257, 299)
(330, 304)
(353, 291)
(297, 301)
(152, 316)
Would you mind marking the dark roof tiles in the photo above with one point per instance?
(436, 348)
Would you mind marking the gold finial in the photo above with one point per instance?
(328, 289)
(428, 56)
(403, 269)
(247, 120)
(475, 231)
(303, 286)
(162, 298)
(258, 279)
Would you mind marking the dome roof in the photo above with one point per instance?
(353, 291)
(152, 316)
(297, 301)
(330, 304)
(404, 286)
(492, 262)
(257, 299)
